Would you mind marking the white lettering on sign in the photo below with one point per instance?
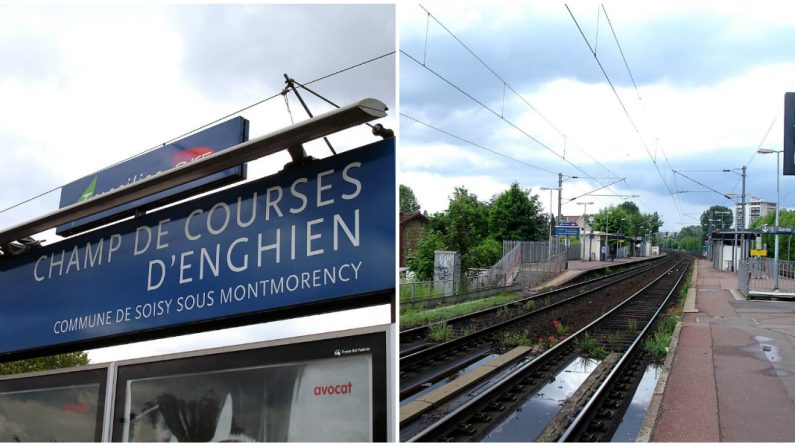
(216, 255)
(197, 300)
(47, 267)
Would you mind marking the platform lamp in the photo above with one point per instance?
(775, 258)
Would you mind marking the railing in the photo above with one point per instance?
(535, 273)
(533, 251)
(574, 251)
(418, 291)
(761, 275)
(523, 264)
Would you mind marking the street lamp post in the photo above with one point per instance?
(584, 213)
(551, 217)
(775, 258)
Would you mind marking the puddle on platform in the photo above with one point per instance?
(771, 352)
(529, 420)
(636, 412)
(459, 373)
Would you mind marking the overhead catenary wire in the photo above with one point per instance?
(470, 142)
(505, 83)
(228, 115)
(626, 112)
(494, 112)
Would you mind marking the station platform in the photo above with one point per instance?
(731, 374)
(577, 268)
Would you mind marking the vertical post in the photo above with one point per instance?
(560, 196)
(775, 262)
(551, 218)
(743, 200)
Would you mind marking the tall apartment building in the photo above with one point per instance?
(756, 208)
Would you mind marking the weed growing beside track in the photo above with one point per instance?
(657, 344)
(418, 317)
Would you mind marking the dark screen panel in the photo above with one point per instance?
(61, 407)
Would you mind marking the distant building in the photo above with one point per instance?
(756, 208)
(581, 223)
(411, 225)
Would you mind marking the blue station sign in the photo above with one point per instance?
(307, 235)
(567, 229)
(201, 144)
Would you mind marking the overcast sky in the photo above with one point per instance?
(82, 87)
(710, 76)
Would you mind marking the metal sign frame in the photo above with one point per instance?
(334, 121)
(207, 141)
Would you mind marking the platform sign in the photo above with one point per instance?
(772, 229)
(302, 238)
(201, 144)
(760, 252)
(562, 230)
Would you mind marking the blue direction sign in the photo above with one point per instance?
(767, 229)
(201, 144)
(567, 230)
(307, 235)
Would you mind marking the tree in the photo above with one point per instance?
(484, 254)
(516, 215)
(408, 201)
(612, 220)
(421, 261)
(721, 219)
(44, 363)
(466, 222)
(627, 219)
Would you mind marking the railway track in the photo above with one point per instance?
(416, 339)
(422, 367)
(590, 413)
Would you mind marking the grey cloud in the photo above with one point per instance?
(234, 49)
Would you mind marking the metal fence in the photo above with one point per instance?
(419, 291)
(523, 263)
(535, 273)
(574, 251)
(761, 275)
(533, 251)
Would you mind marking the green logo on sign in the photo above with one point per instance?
(89, 192)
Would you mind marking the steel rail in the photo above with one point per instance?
(420, 332)
(474, 407)
(478, 338)
(578, 425)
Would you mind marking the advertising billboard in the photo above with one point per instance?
(66, 407)
(331, 390)
(309, 235)
(201, 144)
(324, 387)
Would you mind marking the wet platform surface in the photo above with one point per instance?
(732, 377)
